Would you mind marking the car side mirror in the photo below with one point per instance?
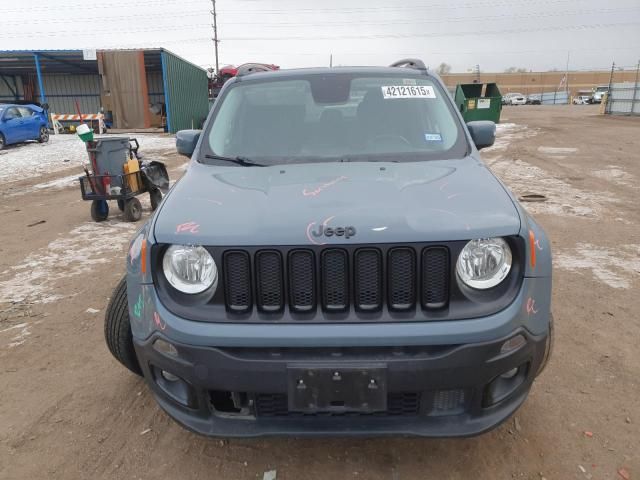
(483, 133)
(186, 141)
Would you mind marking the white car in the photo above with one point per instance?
(599, 92)
(517, 99)
(582, 100)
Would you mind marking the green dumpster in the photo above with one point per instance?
(479, 101)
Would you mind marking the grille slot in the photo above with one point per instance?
(237, 281)
(435, 278)
(335, 280)
(302, 282)
(402, 279)
(269, 281)
(368, 279)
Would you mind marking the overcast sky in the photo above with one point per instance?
(496, 34)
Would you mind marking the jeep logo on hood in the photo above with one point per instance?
(323, 230)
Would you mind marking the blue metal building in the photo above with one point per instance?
(60, 78)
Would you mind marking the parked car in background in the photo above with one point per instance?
(534, 99)
(598, 93)
(517, 99)
(581, 100)
(19, 123)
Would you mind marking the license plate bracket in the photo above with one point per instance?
(337, 388)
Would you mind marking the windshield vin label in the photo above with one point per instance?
(408, 91)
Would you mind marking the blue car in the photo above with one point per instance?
(19, 123)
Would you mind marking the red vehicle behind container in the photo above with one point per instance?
(229, 71)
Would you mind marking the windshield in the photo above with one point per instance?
(335, 117)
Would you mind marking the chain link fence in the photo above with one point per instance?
(623, 98)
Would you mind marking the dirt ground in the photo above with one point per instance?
(68, 410)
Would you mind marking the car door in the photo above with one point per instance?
(13, 125)
(31, 123)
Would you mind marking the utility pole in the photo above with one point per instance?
(330, 60)
(566, 84)
(215, 32)
(608, 104)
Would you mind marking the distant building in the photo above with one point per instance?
(135, 89)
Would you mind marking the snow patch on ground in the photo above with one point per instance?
(562, 198)
(32, 159)
(615, 174)
(556, 151)
(506, 133)
(34, 279)
(21, 337)
(616, 268)
(525, 179)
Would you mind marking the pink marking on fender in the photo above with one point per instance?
(161, 324)
(531, 306)
(190, 227)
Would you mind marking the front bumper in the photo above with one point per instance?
(436, 390)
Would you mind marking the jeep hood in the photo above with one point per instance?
(384, 202)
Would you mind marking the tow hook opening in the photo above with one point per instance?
(225, 403)
(504, 385)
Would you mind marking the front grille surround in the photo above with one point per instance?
(402, 293)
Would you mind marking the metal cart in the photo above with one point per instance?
(99, 185)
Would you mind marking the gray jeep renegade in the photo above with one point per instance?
(337, 260)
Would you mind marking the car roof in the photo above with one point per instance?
(296, 72)
(28, 105)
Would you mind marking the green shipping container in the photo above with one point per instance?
(479, 101)
(186, 90)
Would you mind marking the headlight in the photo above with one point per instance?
(189, 269)
(484, 263)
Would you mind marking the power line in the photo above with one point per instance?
(111, 5)
(191, 26)
(562, 13)
(396, 8)
(137, 31)
(434, 35)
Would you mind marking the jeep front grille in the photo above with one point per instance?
(337, 279)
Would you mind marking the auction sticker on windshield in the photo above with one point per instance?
(404, 91)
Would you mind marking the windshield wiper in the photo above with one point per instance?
(244, 161)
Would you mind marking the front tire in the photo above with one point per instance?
(2, 141)
(43, 137)
(117, 329)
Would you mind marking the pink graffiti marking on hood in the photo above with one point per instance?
(321, 188)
